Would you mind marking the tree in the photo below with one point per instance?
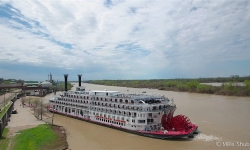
(192, 84)
(39, 108)
(53, 88)
(61, 87)
(7, 82)
(247, 84)
(23, 100)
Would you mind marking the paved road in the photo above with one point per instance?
(24, 116)
(7, 95)
(22, 120)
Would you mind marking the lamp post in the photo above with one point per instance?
(29, 101)
(41, 109)
(53, 117)
(29, 117)
(1, 128)
(4, 98)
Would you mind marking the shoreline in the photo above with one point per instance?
(25, 119)
(193, 105)
(226, 89)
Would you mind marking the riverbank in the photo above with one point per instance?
(221, 119)
(25, 120)
(192, 86)
(41, 137)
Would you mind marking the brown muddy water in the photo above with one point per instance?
(224, 123)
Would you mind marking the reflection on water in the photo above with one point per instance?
(220, 118)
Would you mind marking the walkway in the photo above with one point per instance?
(8, 95)
(22, 120)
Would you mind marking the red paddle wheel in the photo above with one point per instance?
(178, 123)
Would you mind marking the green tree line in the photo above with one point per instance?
(183, 85)
(60, 86)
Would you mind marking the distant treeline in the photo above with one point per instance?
(187, 85)
(60, 86)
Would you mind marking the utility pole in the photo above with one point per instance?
(1, 128)
(41, 110)
(53, 115)
(4, 98)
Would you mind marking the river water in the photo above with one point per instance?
(224, 123)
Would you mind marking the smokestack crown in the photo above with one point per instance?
(79, 79)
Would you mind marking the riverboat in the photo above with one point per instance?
(143, 114)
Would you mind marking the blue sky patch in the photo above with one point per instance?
(108, 3)
(114, 39)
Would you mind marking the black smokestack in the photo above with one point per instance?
(79, 79)
(66, 81)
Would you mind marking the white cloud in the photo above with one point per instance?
(127, 37)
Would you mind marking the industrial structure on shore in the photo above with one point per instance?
(34, 88)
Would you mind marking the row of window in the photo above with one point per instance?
(102, 104)
(114, 112)
(110, 121)
(154, 108)
(122, 118)
(100, 98)
(118, 123)
(111, 110)
(73, 100)
(65, 103)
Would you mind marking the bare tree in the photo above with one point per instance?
(39, 108)
(35, 107)
(23, 100)
(29, 100)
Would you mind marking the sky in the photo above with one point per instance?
(124, 39)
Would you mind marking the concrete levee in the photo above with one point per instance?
(6, 115)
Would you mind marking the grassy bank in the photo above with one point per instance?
(41, 137)
(183, 85)
(4, 109)
(4, 141)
